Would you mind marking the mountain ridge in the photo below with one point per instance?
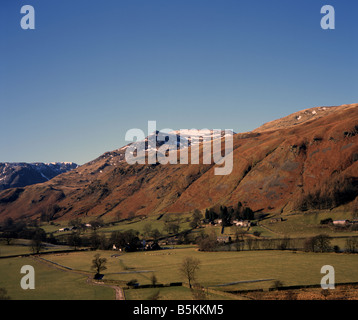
(21, 174)
(275, 167)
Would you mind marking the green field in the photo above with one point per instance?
(297, 225)
(220, 271)
(50, 283)
(217, 268)
(306, 224)
(23, 247)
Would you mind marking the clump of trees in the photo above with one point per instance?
(148, 232)
(227, 214)
(127, 240)
(319, 243)
(172, 224)
(196, 219)
(352, 245)
(207, 241)
(11, 230)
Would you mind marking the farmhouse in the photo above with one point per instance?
(242, 223)
(63, 229)
(66, 229)
(340, 222)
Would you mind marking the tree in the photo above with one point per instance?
(147, 229)
(188, 269)
(155, 234)
(196, 219)
(211, 215)
(352, 245)
(74, 240)
(153, 280)
(355, 209)
(319, 243)
(127, 240)
(95, 240)
(239, 238)
(98, 264)
(284, 243)
(8, 236)
(207, 242)
(207, 214)
(239, 211)
(77, 224)
(249, 242)
(38, 236)
(97, 223)
(277, 284)
(323, 243)
(225, 216)
(248, 214)
(172, 226)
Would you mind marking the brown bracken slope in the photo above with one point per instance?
(311, 154)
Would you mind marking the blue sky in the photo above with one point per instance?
(91, 70)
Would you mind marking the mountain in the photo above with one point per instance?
(304, 161)
(14, 175)
(301, 117)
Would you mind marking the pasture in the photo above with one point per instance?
(219, 271)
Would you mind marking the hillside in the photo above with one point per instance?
(288, 164)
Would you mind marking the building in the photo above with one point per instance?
(242, 223)
(340, 222)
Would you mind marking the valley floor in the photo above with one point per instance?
(68, 276)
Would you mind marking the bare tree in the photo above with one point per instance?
(36, 241)
(189, 267)
(153, 280)
(98, 264)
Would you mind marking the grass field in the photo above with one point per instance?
(217, 268)
(307, 224)
(137, 224)
(219, 271)
(50, 283)
(23, 247)
(298, 225)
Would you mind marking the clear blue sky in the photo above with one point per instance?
(92, 69)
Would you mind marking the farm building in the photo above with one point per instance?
(340, 222)
(242, 223)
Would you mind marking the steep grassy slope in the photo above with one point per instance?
(275, 169)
